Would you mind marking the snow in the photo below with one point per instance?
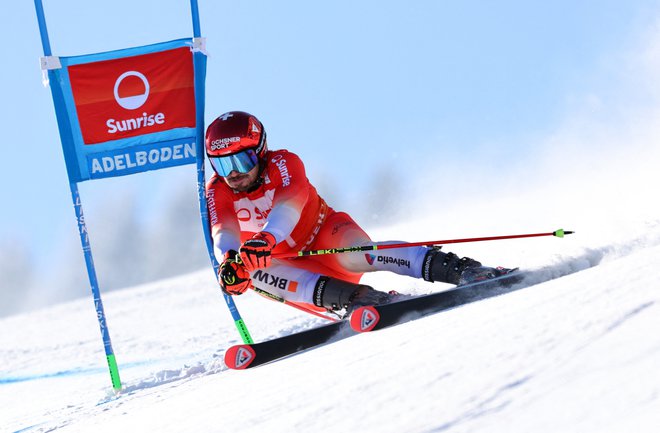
(579, 351)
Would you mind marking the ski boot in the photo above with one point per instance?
(334, 295)
(482, 273)
(449, 268)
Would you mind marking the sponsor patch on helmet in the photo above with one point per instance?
(223, 143)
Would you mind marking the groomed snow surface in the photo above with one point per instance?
(577, 352)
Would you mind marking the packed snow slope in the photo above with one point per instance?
(577, 352)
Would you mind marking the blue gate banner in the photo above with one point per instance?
(128, 111)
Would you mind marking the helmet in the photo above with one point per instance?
(235, 141)
(233, 132)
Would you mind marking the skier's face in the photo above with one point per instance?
(242, 181)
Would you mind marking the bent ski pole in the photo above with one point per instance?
(291, 304)
(557, 233)
(273, 297)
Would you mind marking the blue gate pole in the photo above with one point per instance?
(96, 292)
(200, 65)
(82, 229)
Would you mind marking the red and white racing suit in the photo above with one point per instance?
(288, 206)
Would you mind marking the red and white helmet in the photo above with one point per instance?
(235, 141)
(233, 132)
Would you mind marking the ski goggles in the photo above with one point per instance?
(241, 162)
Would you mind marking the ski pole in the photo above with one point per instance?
(557, 233)
(291, 304)
(273, 297)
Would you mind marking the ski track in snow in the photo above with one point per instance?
(57, 375)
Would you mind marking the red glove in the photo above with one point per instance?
(234, 278)
(255, 253)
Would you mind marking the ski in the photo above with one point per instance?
(363, 319)
(242, 356)
(371, 318)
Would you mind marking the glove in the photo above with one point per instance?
(255, 253)
(234, 278)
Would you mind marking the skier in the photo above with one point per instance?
(261, 204)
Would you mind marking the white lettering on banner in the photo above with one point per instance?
(280, 162)
(124, 161)
(136, 123)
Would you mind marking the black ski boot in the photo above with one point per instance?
(335, 294)
(449, 268)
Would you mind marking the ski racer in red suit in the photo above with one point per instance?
(261, 204)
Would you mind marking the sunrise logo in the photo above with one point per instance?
(134, 101)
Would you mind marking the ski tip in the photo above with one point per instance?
(364, 319)
(239, 357)
(561, 233)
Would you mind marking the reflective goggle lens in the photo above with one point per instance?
(241, 162)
